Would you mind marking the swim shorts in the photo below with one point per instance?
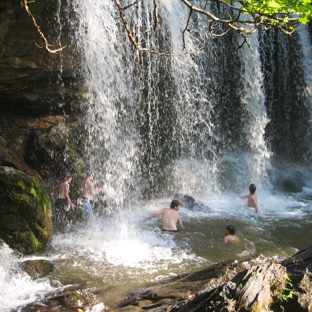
(87, 205)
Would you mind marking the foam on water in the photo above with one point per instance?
(114, 248)
(121, 250)
(17, 288)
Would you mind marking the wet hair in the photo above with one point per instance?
(252, 188)
(231, 229)
(174, 203)
(89, 173)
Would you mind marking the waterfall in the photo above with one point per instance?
(195, 123)
(206, 121)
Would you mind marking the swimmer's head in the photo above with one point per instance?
(230, 229)
(252, 188)
(174, 203)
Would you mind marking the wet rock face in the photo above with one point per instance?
(34, 82)
(41, 93)
(25, 211)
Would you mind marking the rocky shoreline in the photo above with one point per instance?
(253, 284)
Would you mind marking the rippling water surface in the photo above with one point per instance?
(116, 254)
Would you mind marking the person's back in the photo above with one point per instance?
(229, 235)
(231, 239)
(170, 218)
(252, 199)
(63, 190)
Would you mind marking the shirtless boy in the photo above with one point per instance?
(64, 203)
(252, 200)
(170, 217)
(229, 235)
(88, 191)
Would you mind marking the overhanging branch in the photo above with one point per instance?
(46, 43)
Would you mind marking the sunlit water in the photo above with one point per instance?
(114, 254)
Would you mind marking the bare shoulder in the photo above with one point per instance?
(161, 211)
(231, 239)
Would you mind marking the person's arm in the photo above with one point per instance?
(53, 189)
(180, 224)
(215, 242)
(96, 190)
(66, 191)
(244, 196)
(153, 215)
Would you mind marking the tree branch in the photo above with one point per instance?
(46, 43)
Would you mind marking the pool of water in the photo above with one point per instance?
(116, 253)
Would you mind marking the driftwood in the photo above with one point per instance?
(260, 284)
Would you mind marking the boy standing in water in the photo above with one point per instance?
(63, 202)
(170, 217)
(88, 191)
(252, 198)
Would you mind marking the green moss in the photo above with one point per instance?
(35, 183)
(46, 201)
(41, 232)
(30, 242)
(77, 296)
(25, 212)
(21, 184)
(34, 193)
(21, 198)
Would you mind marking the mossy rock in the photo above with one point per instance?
(25, 211)
(37, 268)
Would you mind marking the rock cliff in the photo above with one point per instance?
(41, 93)
(41, 121)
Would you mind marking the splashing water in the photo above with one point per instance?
(170, 127)
(18, 288)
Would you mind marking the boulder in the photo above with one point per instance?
(292, 185)
(189, 202)
(25, 211)
(37, 268)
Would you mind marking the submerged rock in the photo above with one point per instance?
(189, 202)
(37, 268)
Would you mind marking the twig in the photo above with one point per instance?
(47, 45)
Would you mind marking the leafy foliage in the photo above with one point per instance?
(243, 17)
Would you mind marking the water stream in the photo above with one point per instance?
(193, 124)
